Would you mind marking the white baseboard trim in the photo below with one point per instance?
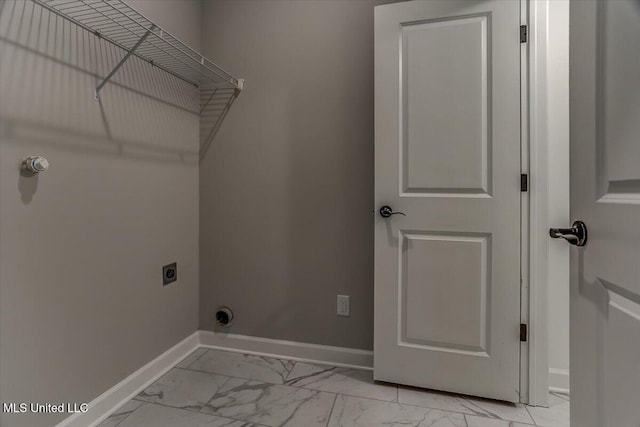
(289, 350)
(105, 404)
(559, 380)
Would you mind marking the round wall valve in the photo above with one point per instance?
(224, 316)
(35, 164)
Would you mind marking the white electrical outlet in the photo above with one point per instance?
(343, 305)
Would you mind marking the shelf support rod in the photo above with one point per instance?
(122, 61)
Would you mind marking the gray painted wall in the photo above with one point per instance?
(286, 189)
(82, 245)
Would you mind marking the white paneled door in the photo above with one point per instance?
(605, 194)
(447, 147)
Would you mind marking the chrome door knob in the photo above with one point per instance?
(576, 235)
(386, 212)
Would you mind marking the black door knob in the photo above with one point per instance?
(386, 212)
(576, 235)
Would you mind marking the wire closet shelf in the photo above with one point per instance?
(118, 23)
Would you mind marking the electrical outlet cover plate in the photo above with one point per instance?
(343, 305)
(169, 273)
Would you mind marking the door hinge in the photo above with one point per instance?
(523, 332)
(523, 33)
(524, 182)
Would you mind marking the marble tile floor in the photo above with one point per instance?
(213, 388)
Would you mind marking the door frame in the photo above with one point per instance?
(541, 206)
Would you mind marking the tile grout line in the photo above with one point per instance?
(199, 357)
(126, 416)
(179, 408)
(531, 416)
(335, 398)
(193, 411)
(491, 414)
(144, 402)
(466, 419)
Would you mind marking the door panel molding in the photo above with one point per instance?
(453, 85)
(473, 255)
(615, 185)
(615, 142)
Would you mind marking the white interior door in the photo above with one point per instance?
(447, 144)
(605, 194)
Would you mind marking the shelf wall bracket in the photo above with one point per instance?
(122, 61)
